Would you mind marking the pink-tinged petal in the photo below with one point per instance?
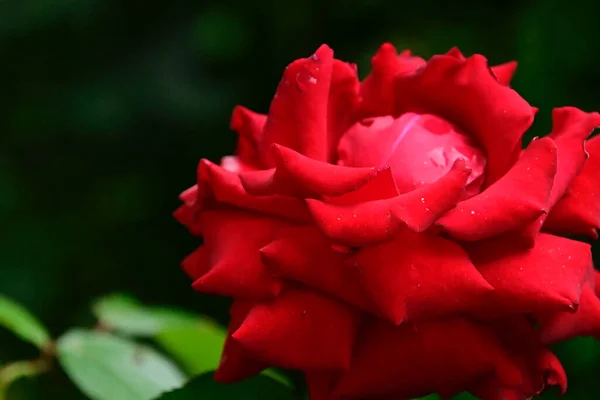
(514, 201)
(379, 220)
(466, 93)
(418, 276)
(343, 100)
(377, 91)
(561, 326)
(301, 329)
(249, 127)
(303, 254)
(298, 113)
(300, 176)
(237, 363)
(232, 240)
(578, 211)
(419, 148)
(571, 128)
(227, 188)
(412, 361)
(504, 72)
(547, 277)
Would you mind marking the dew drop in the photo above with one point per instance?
(304, 79)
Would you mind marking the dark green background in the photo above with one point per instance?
(109, 105)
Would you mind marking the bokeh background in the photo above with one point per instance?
(109, 105)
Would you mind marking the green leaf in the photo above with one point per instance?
(260, 387)
(128, 316)
(16, 318)
(106, 367)
(194, 341)
(197, 347)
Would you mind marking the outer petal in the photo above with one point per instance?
(405, 362)
(504, 72)
(563, 326)
(196, 264)
(377, 92)
(303, 254)
(578, 211)
(571, 128)
(541, 369)
(466, 93)
(186, 214)
(249, 126)
(301, 329)
(515, 200)
(320, 384)
(300, 176)
(236, 362)
(417, 276)
(343, 100)
(298, 113)
(235, 268)
(547, 277)
(227, 189)
(378, 220)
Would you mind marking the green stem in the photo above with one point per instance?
(20, 369)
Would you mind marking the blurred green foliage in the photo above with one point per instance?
(108, 106)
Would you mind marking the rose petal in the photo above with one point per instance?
(227, 188)
(418, 276)
(545, 370)
(196, 264)
(578, 211)
(405, 362)
(249, 126)
(235, 268)
(377, 92)
(376, 221)
(320, 384)
(237, 363)
(301, 329)
(342, 104)
(466, 93)
(298, 113)
(300, 176)
(561, 326)
(380, 187)
(303, 254)
(515, 200)
(571, 128)
(504, 72)
(547, 277)
(186, 214)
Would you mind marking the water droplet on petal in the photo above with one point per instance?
(304, 79)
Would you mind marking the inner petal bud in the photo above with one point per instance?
(419, 148)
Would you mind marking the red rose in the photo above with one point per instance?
(390, 237)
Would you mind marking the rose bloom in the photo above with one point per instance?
(391, 238)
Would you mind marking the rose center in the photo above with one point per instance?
(420, 148)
